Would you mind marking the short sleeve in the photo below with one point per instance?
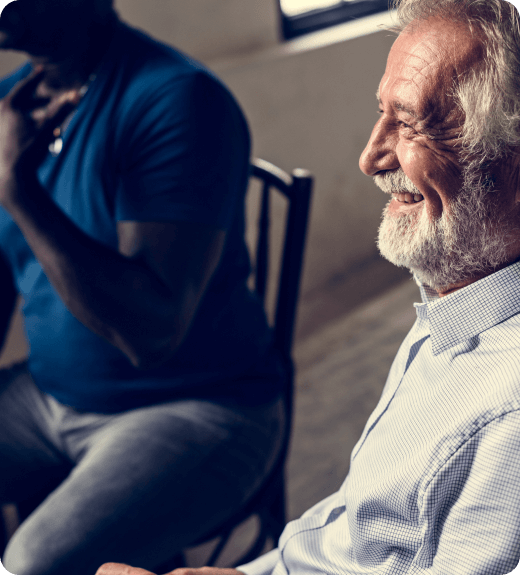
(9, 82)
(472, 506)
(184, 153)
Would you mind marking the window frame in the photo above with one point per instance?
(314, 20)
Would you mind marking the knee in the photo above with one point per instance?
(22, 559)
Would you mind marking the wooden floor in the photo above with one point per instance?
(341, 371)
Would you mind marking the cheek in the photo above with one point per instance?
(415, 161)
(431, 172)
(410, 154)
(445, 177)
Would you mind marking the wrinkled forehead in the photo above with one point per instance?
(427, 59)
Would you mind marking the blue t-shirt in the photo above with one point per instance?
(156, 138)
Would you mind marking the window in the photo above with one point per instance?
(302, 16)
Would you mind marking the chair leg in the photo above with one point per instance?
(219, 548)
(276, 513)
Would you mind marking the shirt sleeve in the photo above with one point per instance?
(472, 506)
(184, 153)
(264, 565)
(7, 83)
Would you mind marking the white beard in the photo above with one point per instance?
(469, 239)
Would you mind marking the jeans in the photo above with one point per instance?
(134, 487)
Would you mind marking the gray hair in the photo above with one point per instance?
(489, 93)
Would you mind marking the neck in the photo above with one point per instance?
(71, 65)
(455, 287)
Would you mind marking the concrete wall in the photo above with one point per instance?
(310, 103)
(206, 29)
(315, 109)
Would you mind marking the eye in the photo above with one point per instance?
(404, 125)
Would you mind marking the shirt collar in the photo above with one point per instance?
(471, 310)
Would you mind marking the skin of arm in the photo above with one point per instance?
(140, 298)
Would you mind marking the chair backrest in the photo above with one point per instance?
(297, 189)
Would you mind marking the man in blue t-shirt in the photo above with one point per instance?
(149, 406)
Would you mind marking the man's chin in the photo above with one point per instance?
(398, 240)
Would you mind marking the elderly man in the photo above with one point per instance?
(149, 406)
(433, 486)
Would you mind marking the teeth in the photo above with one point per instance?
(407, 197)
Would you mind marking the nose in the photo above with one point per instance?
(380, 152)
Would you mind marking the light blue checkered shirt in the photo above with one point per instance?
(434, 481)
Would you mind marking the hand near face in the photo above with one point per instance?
(120, 569)
(27, 123)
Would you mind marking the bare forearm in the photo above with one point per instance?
(117, 297)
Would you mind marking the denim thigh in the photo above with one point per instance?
(144, 484)
(31, 464)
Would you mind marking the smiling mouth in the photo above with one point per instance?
(407, 197)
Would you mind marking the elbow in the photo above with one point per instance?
(151, 343)
(154, 354)
(144, 361)
(147, 361)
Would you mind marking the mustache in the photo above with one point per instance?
(396, 181)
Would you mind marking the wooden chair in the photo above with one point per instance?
(268, 503)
